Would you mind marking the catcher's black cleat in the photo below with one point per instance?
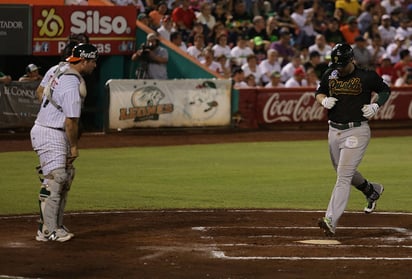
(326, 224)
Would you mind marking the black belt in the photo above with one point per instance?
(59, 129)
(344, 126)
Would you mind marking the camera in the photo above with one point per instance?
(146, 48)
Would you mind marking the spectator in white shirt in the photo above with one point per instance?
(298, 78)
(391, 5)
(320, 46)
(166, 27)
(270, 65)
(221, 47)
(393, 50)
(303, 18)
(241, 51)
(251, 67)
(404, 29)
(288, 70)
(386, 30)
(209, 60)
(196, 50)
(275, 80)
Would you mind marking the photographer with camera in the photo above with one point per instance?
(153, 59)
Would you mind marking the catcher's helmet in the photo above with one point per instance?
(341, 55)
(83, 51)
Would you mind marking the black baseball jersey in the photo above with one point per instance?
(352, 91)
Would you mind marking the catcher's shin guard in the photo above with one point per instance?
(50, 212)
(43, 195)
(63, 198)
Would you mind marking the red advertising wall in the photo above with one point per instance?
(112, 29)
(279, 107)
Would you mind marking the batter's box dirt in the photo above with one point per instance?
(209, 244)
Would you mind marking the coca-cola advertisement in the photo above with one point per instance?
(112, 29)
(298, 105)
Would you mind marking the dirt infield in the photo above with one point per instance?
(206, 243)
(210, 244)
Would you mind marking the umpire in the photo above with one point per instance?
(346, 92)
(54, 138)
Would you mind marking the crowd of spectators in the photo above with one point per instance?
(282, 42)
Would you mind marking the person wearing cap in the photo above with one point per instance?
(284, 47)
(274, 80)
(153, 59)
(166, 27)
(386, 30)
(32, 74)
(270, 65)
(63, 65)
(345, 92)
(241, 50)
(350, 30)
(393, 50)
(362, 56)
(54, 138)
(298, 78)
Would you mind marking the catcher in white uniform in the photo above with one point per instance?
(54, 138)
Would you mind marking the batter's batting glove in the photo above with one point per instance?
(370, 110)
(329, 102)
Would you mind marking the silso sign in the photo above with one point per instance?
(110, 28)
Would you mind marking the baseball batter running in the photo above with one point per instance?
(54, 138)
(346, 92)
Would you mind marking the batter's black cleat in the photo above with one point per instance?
(372, 199)
(326, 224)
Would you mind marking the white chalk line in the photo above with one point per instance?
(396, 229)
(219, 254)
(200, 211)
(222, 255)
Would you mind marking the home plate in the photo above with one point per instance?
(320, 241)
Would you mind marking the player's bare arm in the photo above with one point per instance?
(72, 131)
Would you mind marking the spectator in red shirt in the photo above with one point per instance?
(184, 16)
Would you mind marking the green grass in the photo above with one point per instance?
(294, 174)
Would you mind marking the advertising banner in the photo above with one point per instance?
(168, 103)
(112, 29)
(298, 105)
(15, 30)
(18, 104)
